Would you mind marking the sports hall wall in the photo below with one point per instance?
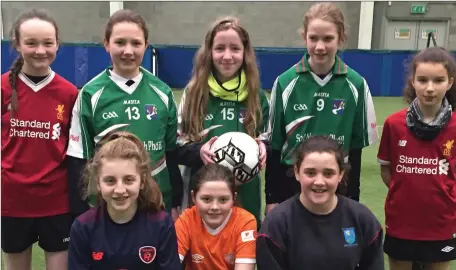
(177, 28)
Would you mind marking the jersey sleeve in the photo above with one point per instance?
(264, 102)
(3, 97)
(384, 149)
(276, 133)
(270, 243)
(276, 128)
(372, 257)
(167, 252)
(365, 124)
(79, 251)
(81, 144)
(183, 235)
(171, 132)
(246, 244)
(180, 111)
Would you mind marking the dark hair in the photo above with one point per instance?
(125, 15)
(324, 144)
(213, 172)
(124, 145)
(432, 55)
(19, 62)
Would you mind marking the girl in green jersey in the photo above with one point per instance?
(320, 95)
(126, 97)
(223, 95)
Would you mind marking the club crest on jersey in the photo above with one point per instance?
(60, 109)
(147, 254)
(230, 258)
(151, 111)
(242, 114)
(447, 148)
(338, 106)
(97, 256)
(349, 236)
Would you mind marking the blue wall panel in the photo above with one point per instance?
(78, 63)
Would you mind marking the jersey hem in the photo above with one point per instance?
(35, 215)
(75, 154)
(245, 260)
(410, 238)
(383, 162)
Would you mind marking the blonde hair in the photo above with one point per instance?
(197, 90)
(124, 145)
(327, 12)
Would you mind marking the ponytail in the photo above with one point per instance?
(14, 72)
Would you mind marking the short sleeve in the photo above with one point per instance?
(276, 126)
(384, 151)
(246, 242)
(183, 235)
(365, 131)
(81, 144)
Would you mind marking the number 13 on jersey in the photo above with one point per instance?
(132, 113)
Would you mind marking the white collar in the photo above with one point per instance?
(37, 86)
(121, 81)
(219, 228)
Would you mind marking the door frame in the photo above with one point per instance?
(417, 21)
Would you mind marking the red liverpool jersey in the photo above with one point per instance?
(34, 142)
(421, 200)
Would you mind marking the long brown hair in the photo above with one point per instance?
(432, 55)
(197, 90)
(16, 67)
(124, 145)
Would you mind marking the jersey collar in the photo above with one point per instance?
(219, 228)
(37, 86)
(339, 66)
(121, 81)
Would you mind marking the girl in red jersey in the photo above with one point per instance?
(36, 110)
(214, 233)
(418, 165)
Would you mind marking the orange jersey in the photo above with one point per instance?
(203, 248)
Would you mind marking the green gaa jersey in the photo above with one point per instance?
(226, 116)
(303, 105)
(143, 106)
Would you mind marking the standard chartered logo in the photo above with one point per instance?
(444, 166)
(414, 165)
(56, 131)
(34, 129)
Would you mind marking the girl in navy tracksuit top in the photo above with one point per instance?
(128, 229)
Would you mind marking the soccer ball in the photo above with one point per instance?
(240, 153)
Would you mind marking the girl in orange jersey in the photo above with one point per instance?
(214, 233)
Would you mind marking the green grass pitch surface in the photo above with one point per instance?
(373, 191)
